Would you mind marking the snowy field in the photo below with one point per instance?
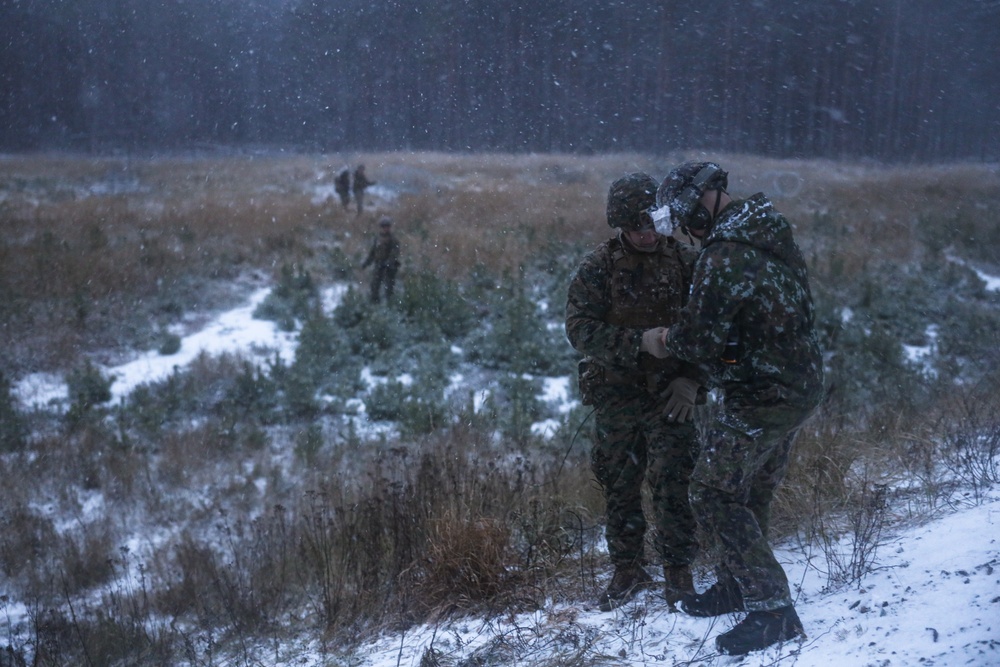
(932, 599)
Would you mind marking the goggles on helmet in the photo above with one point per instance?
(645, 220)
(661, 218)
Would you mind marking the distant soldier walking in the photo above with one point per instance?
(749, 321)
(342, 184)
(634, 280)
(361, 183)
(384, 254)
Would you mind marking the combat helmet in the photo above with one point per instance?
(630, 199)
(681, 191)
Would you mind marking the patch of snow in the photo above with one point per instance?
(556, 390)
(992, 282)
(235, 331)
(923, 355)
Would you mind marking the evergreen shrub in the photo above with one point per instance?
(169, 344)
(323, 359)
(13, 433)
(520, 407)
(378, 336)
(435, 306)
(88, 388)
(515, 336)
(292, 299)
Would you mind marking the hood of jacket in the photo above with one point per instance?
(755, 222)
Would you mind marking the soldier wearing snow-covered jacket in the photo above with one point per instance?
(749, 323)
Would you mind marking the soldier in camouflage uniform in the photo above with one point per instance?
(749, 322)
(361, 183)
(384, 254)
(342, 184)
(629, 283)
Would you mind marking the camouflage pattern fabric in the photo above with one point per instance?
(616, 294)
(342, 185)
(361, 183)
(751, 289)
(384, 254)
(635, 441)
(743, 460)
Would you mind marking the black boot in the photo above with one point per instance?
(759, 630)
(717, 600)
(626, 582)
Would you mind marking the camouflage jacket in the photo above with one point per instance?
(361, 181)
(617, 293)
(384, 253)
(751, 289)
(342, 184)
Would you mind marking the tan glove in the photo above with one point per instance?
(681, 394)
(652, 343)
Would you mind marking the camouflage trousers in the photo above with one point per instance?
(635, 442)
(742, 462)
(384, 276)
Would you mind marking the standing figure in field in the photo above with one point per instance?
(750, 322)
(342, 184)
(636, 279)
(384, 254)
(361, 183)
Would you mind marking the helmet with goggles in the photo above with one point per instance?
(681, 191)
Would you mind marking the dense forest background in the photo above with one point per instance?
(895, 80)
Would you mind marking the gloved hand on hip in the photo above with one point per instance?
(681, 394)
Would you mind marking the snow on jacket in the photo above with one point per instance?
(751, 290)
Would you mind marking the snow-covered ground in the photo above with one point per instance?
(232, 331)
(932, 599)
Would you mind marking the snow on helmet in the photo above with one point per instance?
(681, 192)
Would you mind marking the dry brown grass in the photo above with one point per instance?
(170, 216)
